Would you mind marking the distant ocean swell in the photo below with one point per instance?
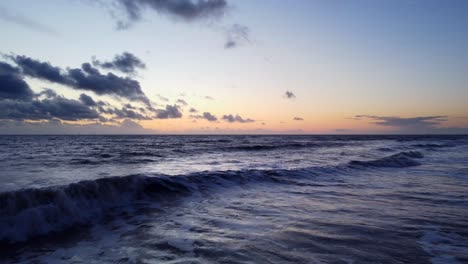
(400, 160)
(32, 212)
(152, 153)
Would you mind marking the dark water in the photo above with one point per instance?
(234, 199)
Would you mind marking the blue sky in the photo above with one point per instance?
(341, 59)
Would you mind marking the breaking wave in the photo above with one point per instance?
(32, 212)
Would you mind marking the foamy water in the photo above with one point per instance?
(234, 199)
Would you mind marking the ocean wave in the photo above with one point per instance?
(400, 160)
(433, 145)
(84, 162)
(30, 212)
(140, 153)
(386, 149)
(261, 147)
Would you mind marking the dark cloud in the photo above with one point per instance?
(19, 19)
(237, 118)
(127, 12)
(406, 123)
(289, 95)
(103, 110)
(236, 35)
(87, 100)
(18, 101)
(89, 78)
(40, 70)
(209, 97)
(128, 114)
(193, 110)
(414, 125)
(210, 117)
(103, 119)
(187, 10)
(47, 109)
(126, 63)
(130, 106)
(298, 118)
(171, 111)
(85, 78)
(206, 115)
(12, 85)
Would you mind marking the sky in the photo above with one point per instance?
(233, 67)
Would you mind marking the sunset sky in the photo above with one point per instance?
(233, 66)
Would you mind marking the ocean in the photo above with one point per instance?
(234, 199)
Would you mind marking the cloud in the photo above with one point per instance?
(171, 111)
(25, 22)
(405, 123)
(40, 70)
(162, 98)
(414, 125)
(89, 78)
(19, 102)
(186, 10)
(87, 100)
(126, 63)
(181, 102)
(130, 124)
(130, 106)
(206, 115)
(237, 118)
(289, 95)
(48, 93)
(85, 78)
(12, 85)
(193, 110)
(208, 97)
(236, 35)
(128, 12)
(47, 109)
(129, 114)
(298, 118)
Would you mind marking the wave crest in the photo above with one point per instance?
(31, 212)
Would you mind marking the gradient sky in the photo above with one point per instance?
(352, 66)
